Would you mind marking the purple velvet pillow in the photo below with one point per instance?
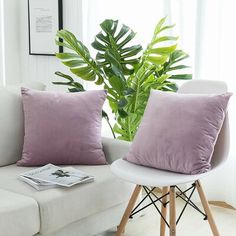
(62, 128)
(178, 131)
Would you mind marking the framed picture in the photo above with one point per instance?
(45, 19)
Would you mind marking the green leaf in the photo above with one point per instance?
(173, 64)
(167, 27)
(116, 67)
(159, 25)
(79, 61)
(113, 104)
(61, 83)
(164, 38)
(124, 29)
(118, 130)
(163, 78)
(163, 50)
(116, 84)
(182, 77)
(58, 73)
(100, 80)
(75, 90)
(159, 55)
(104, 115)
(78, 85)
(178, 55)
(128, 91)
(172, 87)
(122, 103)
(129, 52)
(73, 85)
(157, 60)
(67, 56)
(113, 51)
(178, 67)
(122, 113)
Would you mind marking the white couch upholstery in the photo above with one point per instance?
(19, 214)
(82, 210)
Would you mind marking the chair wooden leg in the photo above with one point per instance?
(207, 209)
(121, 227)
(172, 212)
(165, 190)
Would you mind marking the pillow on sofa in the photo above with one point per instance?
(178, 131)
(62, 128)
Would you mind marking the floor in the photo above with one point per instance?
(191, 223)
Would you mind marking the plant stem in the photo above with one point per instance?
(129, 129)
(114, 136)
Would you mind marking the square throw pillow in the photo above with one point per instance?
(62, 128)
(178, 131)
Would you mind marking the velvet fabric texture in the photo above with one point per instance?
(62, 128)
(178, 131)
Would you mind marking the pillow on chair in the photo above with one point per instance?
(178, 131)
(62, 128)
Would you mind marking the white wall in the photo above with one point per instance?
(19, 65)
(42, 68)
(11, 40)
(1, 45)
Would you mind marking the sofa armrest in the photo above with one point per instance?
(114, 148)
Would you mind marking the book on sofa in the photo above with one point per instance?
(50, 176)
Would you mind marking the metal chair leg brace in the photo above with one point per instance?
(180, 194)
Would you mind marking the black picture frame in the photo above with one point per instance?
(45, 18)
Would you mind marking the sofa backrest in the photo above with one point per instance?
(12, 121)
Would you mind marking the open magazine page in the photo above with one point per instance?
(66, 176)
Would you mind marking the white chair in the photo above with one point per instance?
(145, 177)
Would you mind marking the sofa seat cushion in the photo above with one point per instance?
(62, 206)
(19, 214)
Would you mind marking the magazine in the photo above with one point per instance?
(50, 176)
(39, 185)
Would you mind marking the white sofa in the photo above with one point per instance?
(82, 210)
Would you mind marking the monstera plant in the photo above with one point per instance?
(126, 71)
